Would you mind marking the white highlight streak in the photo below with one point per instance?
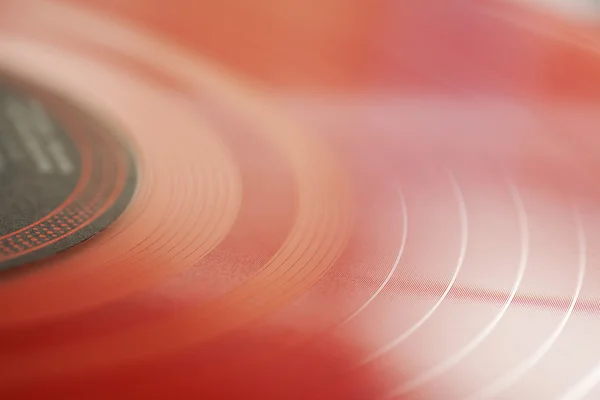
(465, 351)
(504, 382)
(396, 262)
(463, 250)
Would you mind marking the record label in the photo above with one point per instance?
(63, 176)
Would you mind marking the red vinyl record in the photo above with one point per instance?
(333, 199)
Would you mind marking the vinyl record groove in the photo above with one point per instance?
(423, 225)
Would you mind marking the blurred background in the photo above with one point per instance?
(389, 45)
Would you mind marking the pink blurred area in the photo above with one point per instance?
(385, 45)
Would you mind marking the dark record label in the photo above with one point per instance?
(64, 176)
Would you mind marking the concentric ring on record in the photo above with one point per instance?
(323, 205)
(64, 176)
(169, 224)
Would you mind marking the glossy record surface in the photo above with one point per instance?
(376, 200)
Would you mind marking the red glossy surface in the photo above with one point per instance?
(340, 199)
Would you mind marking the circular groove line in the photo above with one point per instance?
(599, 371)
(582, 388)
(213, 218)
(404, 215)
(14, 46)
(114, 190)
(86, 169)
(119, 184)
(457, 357)
(464, 229)
(511, 377)
(404, 236)
(184, 66)
(193, 70)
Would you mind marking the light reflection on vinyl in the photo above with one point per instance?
(378, 200)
